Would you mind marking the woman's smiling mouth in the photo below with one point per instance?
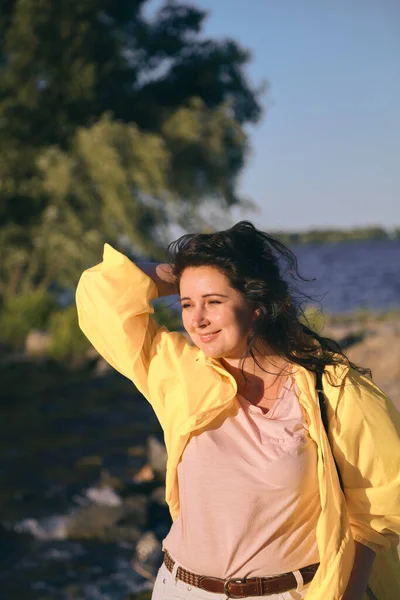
(209, 337)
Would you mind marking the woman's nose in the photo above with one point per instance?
(199, 318)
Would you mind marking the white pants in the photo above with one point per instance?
(168, 587)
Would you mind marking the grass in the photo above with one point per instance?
(318, 320)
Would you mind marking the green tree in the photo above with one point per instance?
(113, 126)
(63, 64)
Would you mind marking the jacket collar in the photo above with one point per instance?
(332, 381)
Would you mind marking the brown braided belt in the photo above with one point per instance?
(242, 588)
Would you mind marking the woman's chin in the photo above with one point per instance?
(211, 352)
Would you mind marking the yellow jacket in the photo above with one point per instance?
(187, 391)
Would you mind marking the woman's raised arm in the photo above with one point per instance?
(114, 307)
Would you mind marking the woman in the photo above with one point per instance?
(251, 482)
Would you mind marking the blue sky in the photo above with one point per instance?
(327, 153)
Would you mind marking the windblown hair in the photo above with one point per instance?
(253, 262)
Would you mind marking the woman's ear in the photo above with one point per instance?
(257, 313)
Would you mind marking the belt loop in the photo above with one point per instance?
(259, 586)
(300, 581)
(174, 572)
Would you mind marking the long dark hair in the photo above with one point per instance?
(254, 263)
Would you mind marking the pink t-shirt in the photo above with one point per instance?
(249, 494)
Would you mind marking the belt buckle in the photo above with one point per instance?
(233, 580)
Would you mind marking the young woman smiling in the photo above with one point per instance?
(252, 485)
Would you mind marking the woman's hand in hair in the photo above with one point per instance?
(161, 274)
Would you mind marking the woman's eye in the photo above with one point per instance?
(209, 302)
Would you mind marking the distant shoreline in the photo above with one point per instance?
(323, 236)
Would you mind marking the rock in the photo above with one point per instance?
(146, 473)
(93, 521)
(102, 367)
(135, 511)
(103, 496)
(37, 343)
(158, 496)
(157, 456)
(148, 556)
(138, 451)
(50, 528)
(92, 353)
(378, 350)
(381, 353)
(159, 517)
(124, 533)
(110, 518)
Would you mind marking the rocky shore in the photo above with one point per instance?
(374, 343)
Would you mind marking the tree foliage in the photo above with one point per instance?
(114, 125)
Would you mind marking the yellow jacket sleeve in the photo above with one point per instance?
(365, 438)
(114, 311)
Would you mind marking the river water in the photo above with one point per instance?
(60, 432)
(352, 275)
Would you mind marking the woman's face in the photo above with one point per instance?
(216, 316)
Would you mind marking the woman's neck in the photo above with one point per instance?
(259, 383)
